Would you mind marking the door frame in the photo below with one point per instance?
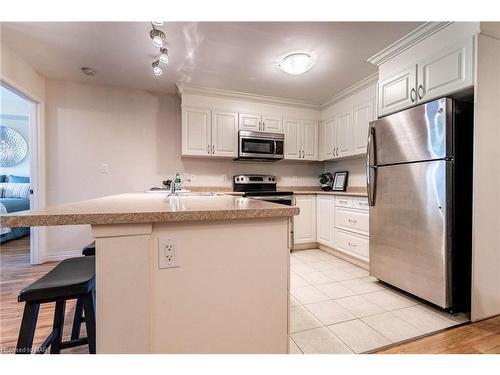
(38, 237)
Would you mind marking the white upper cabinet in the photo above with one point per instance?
(310, 140)
(301, 139)
(345, 131)
(293, 139)
(344, 134)
(262, 123)
(446, 72)
(272, 124)
(425, 75)
(249, 122)
(224, 134)
(397, 91)
(328, 139)
(196, 131)
(362, 115)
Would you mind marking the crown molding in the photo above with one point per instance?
(364, 83)
(409, 40)
(188, 89)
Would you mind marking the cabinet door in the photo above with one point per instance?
(344, 134)
(304, 224)
(272, 124)
(325, 219)
(250, 122)
(328, 139)
(196, 131)
(362, 115)
(397, 91)
(224, 134)
(310, 140)
(292, 139)
(446, 72)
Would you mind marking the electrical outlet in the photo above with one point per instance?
(104, 168)
(294, 180)
(167, 253)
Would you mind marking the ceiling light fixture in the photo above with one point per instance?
(157, 23)
(296, 63)
(88, 71)
(156, 68)
(163, 56)
(157, 36)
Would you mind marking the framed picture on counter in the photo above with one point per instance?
(340, 181)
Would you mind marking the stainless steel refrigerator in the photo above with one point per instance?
(419, 179)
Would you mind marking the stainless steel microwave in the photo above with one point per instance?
(260, 146)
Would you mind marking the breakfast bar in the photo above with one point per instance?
(221, 288)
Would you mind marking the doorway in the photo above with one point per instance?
(19, 167)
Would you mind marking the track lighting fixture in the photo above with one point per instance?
(156, 68)
(163, 55)
(157, 37)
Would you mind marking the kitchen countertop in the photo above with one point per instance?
(353, 191)
(147, 208)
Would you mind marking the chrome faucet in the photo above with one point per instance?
(173, 188)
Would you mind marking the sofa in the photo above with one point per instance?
(14, 196)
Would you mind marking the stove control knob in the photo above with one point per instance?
(274, 179)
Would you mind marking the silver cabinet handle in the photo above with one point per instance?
(421, 89)
(342, 202)
(413, 95)
(260, 127)
(263, 125)
(208, 149)
(213, 149)
(352, 221)
(351, 244)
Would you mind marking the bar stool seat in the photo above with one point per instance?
(73, 278)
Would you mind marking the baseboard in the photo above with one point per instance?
(347, 257)
(305, 246)
(61, 255)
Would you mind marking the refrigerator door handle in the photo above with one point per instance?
(370, 168)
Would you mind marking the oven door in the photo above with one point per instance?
(259, 146)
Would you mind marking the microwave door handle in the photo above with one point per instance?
(370, 167)
(274, 149)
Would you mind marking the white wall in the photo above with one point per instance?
(14, 113)
(356, 168)
(138, 135)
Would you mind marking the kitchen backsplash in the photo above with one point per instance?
(356, 168)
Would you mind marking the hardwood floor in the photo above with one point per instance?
(15, 274)
(473, 338)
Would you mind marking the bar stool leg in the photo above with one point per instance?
(57, 328)
(27, 331)
(77, 320)
(89, 310)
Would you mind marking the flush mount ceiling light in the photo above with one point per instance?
(88, 71)
(157, 23)
(157, 36)
(296, 63)
(163, 55)
(156, 68)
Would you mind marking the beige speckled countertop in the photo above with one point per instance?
(147, 208)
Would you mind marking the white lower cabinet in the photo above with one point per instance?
(304, 224)
(352, 230)
(325, 205)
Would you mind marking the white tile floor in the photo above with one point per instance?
(336, 307)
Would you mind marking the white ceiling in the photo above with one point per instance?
(237, 56)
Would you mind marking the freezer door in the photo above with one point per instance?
(410, 229)
(420, 133)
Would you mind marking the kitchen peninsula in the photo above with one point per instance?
(227, 291)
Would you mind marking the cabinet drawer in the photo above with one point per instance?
(360, 203)
(352, 243)
(343, 202)
(352, 220)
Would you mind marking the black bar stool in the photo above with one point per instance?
(70, 279)
(79, 318)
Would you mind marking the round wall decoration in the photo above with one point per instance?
(13, 147)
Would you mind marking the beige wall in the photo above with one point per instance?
(138, 134)
(356, 168)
